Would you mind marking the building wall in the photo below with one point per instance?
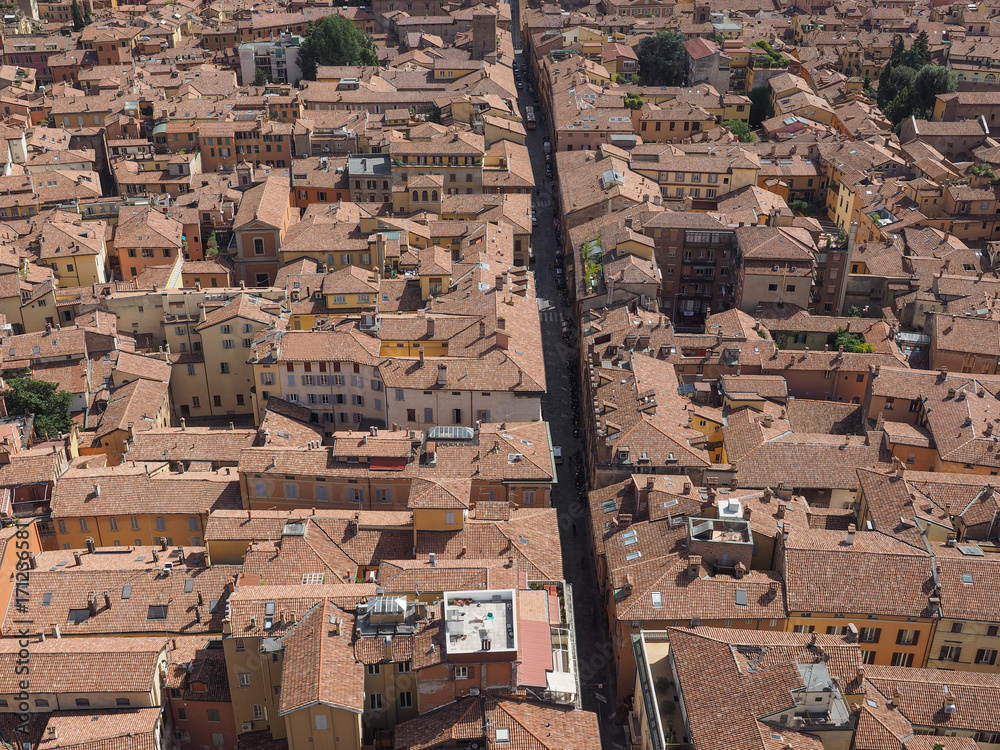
(242, 657)
(198, 724)
(179, 529)
(343, 729)
(972, 637)
(886, 646)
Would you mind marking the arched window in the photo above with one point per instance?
(435, 195)
(416, 195)
(424, 194)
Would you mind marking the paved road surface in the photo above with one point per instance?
(593, 647)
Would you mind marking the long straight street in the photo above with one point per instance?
(560, 405)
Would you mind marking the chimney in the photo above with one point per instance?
(694, 566)
(851, 531)
(952, 539)
(97, 490)
(943, 374)
(77, 560)
(786, 529)
(163, 544)
(430, 327)
(420, 352)
(183, 424)
(92, 603)
(107, 600)
(949, 706)
(442, 378)
(232, 427)
(55, 632)
(432, 559)
(91, 547)
(32, 561)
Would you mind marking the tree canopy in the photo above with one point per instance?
(78, 21)
(909, 82)
(760, 105)
(741, 130)
(633, 101)
(40, 397)
(852, 342)
(662, 59)
(334, 40)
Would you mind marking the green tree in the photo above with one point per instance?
(760, 105)
(434, 115)
(854, 311)
(662, 59)
(212, 245)
(930, 81)
(892, 82)
(78, 22)
(741, 130)
(633, 101)
(260, 77)
(852, 342)
(334, 40)
(919, 53)
(40, 398)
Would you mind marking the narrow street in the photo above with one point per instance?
(558, 404)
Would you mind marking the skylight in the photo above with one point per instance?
(657, 598)
(966, 577)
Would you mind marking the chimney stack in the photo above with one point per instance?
(163, 544)
(77, 560)
(851, 531)
(694, 566)
(91, 547)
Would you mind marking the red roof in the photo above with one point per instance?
(536, 652)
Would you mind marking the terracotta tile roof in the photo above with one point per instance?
(919, 693)
(890, 578)
(242, 307)
(144, 227)
(125, 490)
(119, 729)
(136, 403)
(85, 665)
(528, 725)
(206, 679)
(891, 500)
(970, 583)
(248, 605)
(266, 203)
(831, 417)
(718, 677)
(137, 590)
(319, 665)
(198, 444)
(464, 574)
(531, 537)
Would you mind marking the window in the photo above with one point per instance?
(228, 343)
(134, 523)
(161, 523)
(375, 701)
(182, 714)
(355, 495)
(291, 491)
(986, 656)
(321, 721)
(956, 627)
(267, 378)
(258, 246)
(993, 630)
(868, 657)
(374, 669)
(321, 495)
(902, 659)
(406, 699)
(244, 679)
(907, 637)
(83, 525)
(62, 526)
(790, 287)
(383, 496)
(83, 701)
(428, 414)
(113, 524)
(219, 738)
(258, 712)
(772, 287)
(456, 416)
(399, 394)
(529, 497)
(461, 673)
(403, 667)
(123, 702)
(193, 524)
(449, 518)
(224, 368)
(870, 635)
(950, 653)
(157, 612)
(41, 703)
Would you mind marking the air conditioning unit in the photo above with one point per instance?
(247, 726)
